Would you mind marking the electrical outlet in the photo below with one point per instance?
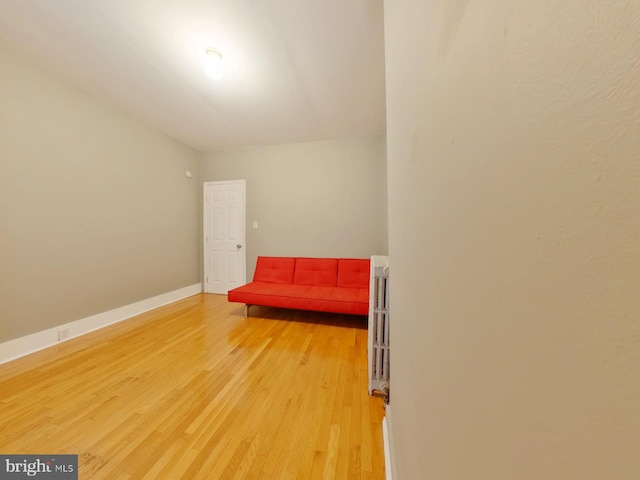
(63, 334)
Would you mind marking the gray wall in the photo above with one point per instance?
(324, 199)
(95, 209)
(514, 237)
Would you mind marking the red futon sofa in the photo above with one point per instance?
(338, 285)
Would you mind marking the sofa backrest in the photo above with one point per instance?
(353, 272)
(274, 270)
(321, 272)
(324, 272)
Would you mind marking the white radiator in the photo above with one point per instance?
(379, 325)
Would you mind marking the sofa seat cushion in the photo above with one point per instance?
(303, 297)
(360, 295)
(261, 288)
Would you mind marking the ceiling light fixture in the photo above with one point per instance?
(213, 63)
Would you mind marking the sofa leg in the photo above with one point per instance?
(246, 311)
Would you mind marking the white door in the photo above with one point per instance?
(224, 232)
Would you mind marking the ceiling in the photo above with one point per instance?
(295, 70)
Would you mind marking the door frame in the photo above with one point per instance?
(205, 224)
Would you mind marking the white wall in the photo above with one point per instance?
(514, 237)
(313, 199)
(95, 208)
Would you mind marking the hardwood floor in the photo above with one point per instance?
(194, 390)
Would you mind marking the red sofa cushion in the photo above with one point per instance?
(272, 290)
(274, 269)
(304, 297)
(320, 272)
(353, 272)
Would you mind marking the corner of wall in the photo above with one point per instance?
(389, 450)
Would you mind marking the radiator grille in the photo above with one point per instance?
(378, 346)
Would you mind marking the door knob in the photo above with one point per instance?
(239, 246)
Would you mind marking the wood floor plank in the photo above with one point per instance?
(194, 390)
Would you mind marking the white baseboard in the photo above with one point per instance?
(389, 453)
(19, 347)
